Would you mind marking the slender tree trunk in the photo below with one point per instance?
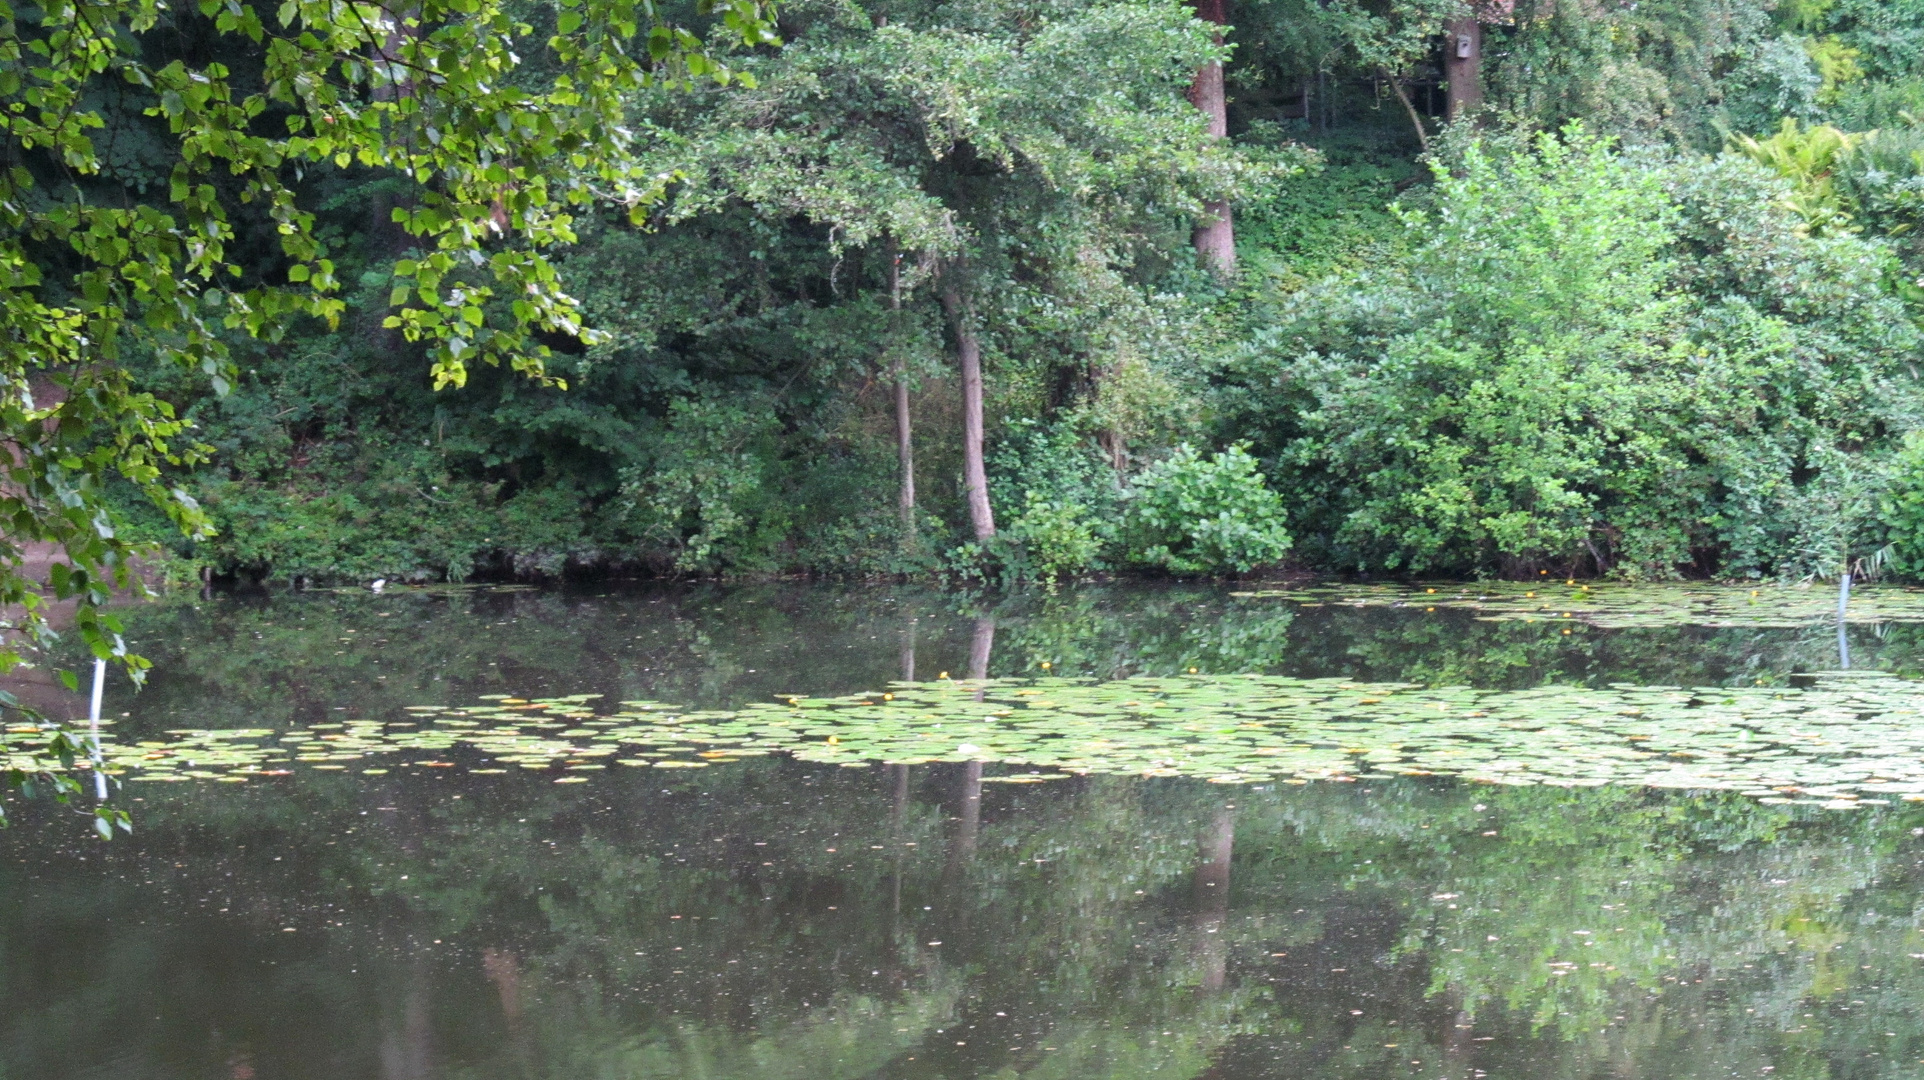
(904, 430)
(905, 448)
(968, 354)
(1843, 634)
(1118, 450)
(1215, 238)
(1402, 95)
(1463, 64)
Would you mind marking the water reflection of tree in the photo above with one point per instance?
(1085, 906)
(1097, 915)
(307, 659)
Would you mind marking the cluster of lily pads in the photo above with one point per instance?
(1616, 605)
(1845, 740)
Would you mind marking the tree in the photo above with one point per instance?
(899, 370)
(1215, 237)
(1386, 37)
(1013, 163)
(501, 132)
(1598, 360)
(968, 355)
(1463, 65)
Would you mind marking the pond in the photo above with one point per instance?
(816, 832)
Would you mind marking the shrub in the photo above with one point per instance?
(1593, 359)
(1773, 79)
(1051, 538)
(704, 494)
(1196, 515)
(1901, 509)
(1053, 461)
(1062, 495)
(392, 512)
(1810, 158)
(1883, 180)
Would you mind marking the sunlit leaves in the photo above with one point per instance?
(437, 93)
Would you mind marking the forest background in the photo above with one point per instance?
(1393, 286)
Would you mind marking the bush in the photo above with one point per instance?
(1883, 181)
(393, 512)
(1775, 78)
(1810, 158)
(1062, 495)
(1195, 515)
(704, 493)
(1593, 360)
(1051, 538)
(1901, 509)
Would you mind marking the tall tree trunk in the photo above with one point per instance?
(904, 431)
(968, 355)
(1215, 238)
(1463, 64)
(1117, 447)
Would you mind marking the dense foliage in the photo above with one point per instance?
(1593, 360)
(159, 195)
(1647, 308)
(159, 175)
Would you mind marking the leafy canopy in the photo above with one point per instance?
(503, 135)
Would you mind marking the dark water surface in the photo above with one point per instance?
(774, 918)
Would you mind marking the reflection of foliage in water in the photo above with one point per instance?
(1840, 739)
(294, 658)
(807, 899)
(1620, 606)
(1110, 634)
(1040, 911)
(241, 662)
